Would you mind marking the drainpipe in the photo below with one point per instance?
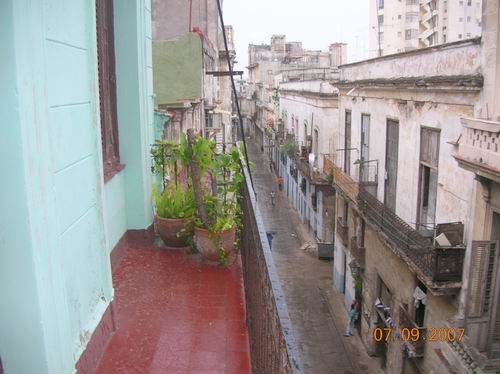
(190, 15)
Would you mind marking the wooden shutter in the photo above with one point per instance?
(107, 84)
(493, 294)
(481, 278)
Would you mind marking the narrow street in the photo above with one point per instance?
(317, 314)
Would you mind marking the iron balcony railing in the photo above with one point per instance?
(364, 174)
(437, 264)
(272, 344)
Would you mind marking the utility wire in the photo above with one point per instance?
(234, 91)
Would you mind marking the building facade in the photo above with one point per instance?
(299, 143)
(397, 26)
(416, 247)
(268, 60)
(189, 58)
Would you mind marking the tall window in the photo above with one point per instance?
(391, 164)
(316, 143)
(428, 177)
(365, 137)
(107, 87)
(305, 133)
(347, 143)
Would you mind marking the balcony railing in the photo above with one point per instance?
(348, 185)
(414, 342)
(358, 252)
(367, 177)
(479, 147)
(342, 231)
(436, 264)
(310, 74)
(313, 174)
(272, 344)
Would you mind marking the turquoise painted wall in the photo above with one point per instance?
(178, 67)
(115, 210)
(59, 220)
(135, 106)
(20, 312)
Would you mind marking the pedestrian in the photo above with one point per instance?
(353, 317)
(273, 195)
(280, 183)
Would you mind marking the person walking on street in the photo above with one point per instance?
(280, 183)
(273, 196)
(353, 317)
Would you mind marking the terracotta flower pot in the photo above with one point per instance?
(207, 245)
(171, 231)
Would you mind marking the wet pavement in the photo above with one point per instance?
(316, 311)
(175, 315)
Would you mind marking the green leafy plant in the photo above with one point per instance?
(219, 207)
(174, 202)
(290, 148)
(329, 178)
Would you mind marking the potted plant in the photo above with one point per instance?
(217, 202)
(175, 210)
(174, 205)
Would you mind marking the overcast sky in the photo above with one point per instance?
(315, 23)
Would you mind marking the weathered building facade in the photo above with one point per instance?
(298, 145)
(268, 60)
(478, 151)
(402, 219)
(189, 58)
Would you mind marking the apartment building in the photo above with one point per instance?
(402, 25)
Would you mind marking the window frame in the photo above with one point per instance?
(108, 111)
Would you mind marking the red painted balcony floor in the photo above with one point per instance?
(175, 315)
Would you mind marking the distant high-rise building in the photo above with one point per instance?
(402, 25)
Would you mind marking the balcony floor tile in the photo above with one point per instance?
(175, 315)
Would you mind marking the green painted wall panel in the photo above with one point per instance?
(177, 68)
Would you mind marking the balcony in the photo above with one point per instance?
(358, 252)
(439, 267)
(415, 347)
(312, 173)
(342, 231)
(479, 147)
(175, 314)
(367, 178)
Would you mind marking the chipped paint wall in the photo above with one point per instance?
(54, 245)
(460, 58)
(434, 111)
